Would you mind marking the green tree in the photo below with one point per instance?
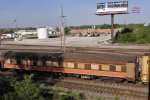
(24, 90)
(127, 30)
(9, 96)
(4, 31)
(134, 33)
(67, 30)
(105, 26)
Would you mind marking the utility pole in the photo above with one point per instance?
(7, 28)
(112, 28)
(0, 38)
(16, 26)
(62, 29)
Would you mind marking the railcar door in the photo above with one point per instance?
(145, 73)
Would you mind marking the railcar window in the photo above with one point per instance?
(118, 68)
(64, 64)
(23, 61)
(39, 63)
(100, 67)
(87, 66)
(70, 65)
(60, 64)
(55, 63)
(30, 62)
(95, 66)
(112, 68)
(81, 65)
(48, 63)
(34, 62)
(7, 61)
(123, 68)
(13, 61)
(18, 61)
(105, 67)
(76, 65)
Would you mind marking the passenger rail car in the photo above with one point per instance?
(109, 65)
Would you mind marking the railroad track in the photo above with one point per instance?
(91, 87)
(41, 48)
(102, 89)
(129, 86)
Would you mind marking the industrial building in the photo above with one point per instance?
(26, 32)
(38, 32)
(92, 32)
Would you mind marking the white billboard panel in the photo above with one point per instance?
(120, 7)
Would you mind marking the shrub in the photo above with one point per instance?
(25, 90)
(127, 30)
(139, 35)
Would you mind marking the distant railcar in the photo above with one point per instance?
(145, 72)
(104, 65)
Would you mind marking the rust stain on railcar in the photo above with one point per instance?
(76, 57)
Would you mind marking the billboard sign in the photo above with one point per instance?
(120, 7)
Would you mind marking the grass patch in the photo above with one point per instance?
(137, 34)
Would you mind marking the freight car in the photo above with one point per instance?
(82, 64)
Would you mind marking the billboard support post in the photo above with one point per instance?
(112, 28)
(112, 8)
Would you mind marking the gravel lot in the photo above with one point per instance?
(97, 42)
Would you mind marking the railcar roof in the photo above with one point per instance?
(147, 54)
(99, 58)
(32, 55)
(76, 57)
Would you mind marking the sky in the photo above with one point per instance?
(41, 13)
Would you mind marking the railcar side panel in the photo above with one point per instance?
(94, 66)
(61, 64)
(131, 76)
(118, 68)
(70, 65)
(105, 67)
(69, 70)
(145, 73)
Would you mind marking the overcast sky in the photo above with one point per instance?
(40, 13)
